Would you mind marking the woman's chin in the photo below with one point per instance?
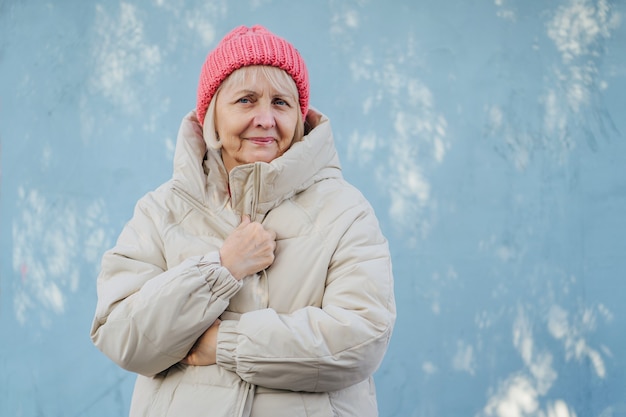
(261, 155)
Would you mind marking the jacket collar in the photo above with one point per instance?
(255, 188)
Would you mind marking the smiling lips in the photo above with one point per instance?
(262, 141)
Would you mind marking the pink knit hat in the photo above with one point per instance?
(243, 47)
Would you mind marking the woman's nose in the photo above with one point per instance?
(264, 116)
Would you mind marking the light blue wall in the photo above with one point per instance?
(489, 136)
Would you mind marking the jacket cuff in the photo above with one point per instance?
(222, 282)
(227, 345)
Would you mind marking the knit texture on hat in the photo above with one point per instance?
(243, 47)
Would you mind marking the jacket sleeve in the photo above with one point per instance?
(148, 316)
(328, 348)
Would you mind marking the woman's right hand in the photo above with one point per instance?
(248, 249)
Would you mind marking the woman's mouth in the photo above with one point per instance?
(262, 140)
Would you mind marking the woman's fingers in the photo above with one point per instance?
(248, 249)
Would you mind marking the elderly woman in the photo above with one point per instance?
(256, 282)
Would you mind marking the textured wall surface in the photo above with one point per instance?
(489, 136)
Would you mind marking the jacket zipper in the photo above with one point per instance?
(245, 406)
(255, 205)
(256, 176)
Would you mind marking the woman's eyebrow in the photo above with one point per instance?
(249, 92)
(246, 92)
(283, 94)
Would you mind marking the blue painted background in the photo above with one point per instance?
(489, 136)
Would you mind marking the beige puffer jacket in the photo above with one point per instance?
(302, 338)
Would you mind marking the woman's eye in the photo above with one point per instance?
(280, 102)
(244, 100)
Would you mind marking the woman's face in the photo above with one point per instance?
(255, 119)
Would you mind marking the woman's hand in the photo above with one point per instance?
(204, 350)
(248, 249)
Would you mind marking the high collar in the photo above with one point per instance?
(258, 187)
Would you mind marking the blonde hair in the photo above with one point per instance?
(278, 79)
